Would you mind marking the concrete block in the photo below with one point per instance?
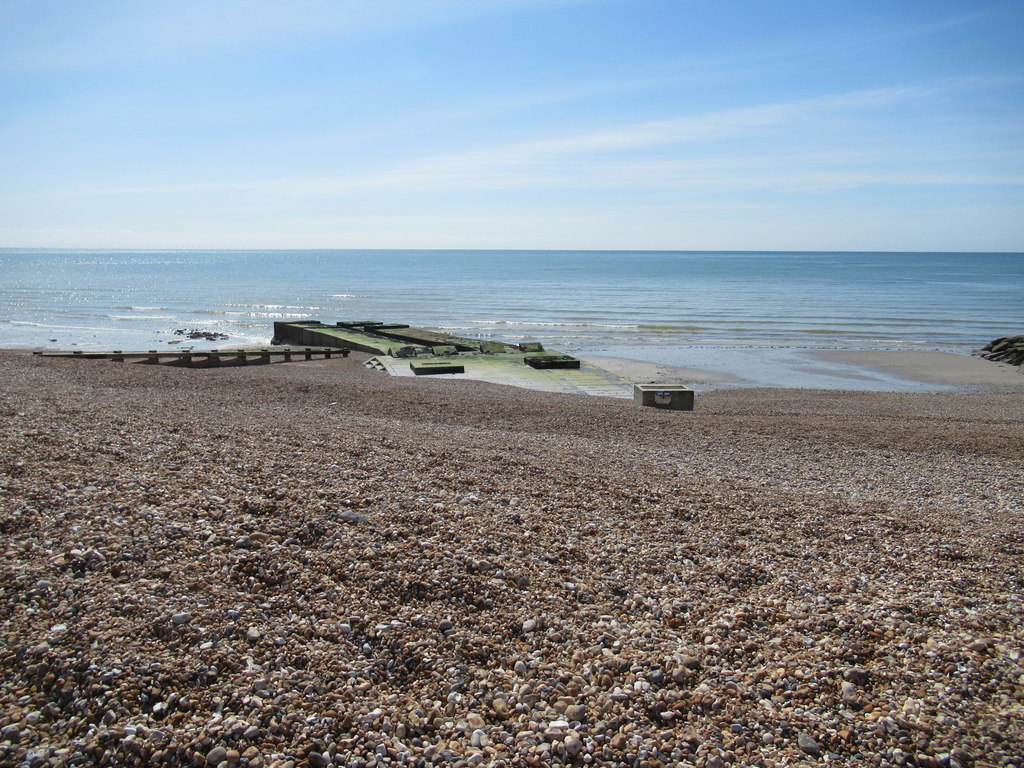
(425, 368)
(673, 397)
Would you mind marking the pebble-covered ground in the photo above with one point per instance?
(311, 564)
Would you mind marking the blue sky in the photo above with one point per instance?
(620, 124)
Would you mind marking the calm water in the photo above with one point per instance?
(577, 301)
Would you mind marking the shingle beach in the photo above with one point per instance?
(313, 564)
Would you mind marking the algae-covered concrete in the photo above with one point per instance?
(404, 351)
(510, 369)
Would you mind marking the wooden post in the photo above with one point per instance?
(240, 356)
(117, 356)
(309, 353)
(327, 354)
(213, 358)
(264, 356)
(287, 355)
(154, 358)
(186, 358)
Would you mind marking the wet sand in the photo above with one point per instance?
(312, 564)
(944, 368)
(879, 370)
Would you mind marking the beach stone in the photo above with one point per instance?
(499, 707)
(576, 712)
(573, 745)
(715, 761)
(856, 675)
(216, 756)
(848, 692)
(808, 744)
(180, 619)
(530, 625)
(252, 634)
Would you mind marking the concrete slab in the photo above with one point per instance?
(509, 369)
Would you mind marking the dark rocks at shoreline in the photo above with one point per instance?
(1008, 349)
(195, 333)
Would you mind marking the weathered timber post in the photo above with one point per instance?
(309, 353)
(117, 356)
(154, 358)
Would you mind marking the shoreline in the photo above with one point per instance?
(799, 368)
(817, 368)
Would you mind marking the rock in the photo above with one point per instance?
(530, 625)
(252, 634)
(1008, 349)
(216, 756)
(348, 516)
(573, 745)
(808, 744)
(856, 675)
(848, 693)
(715, 761)
(499, 707)
(576, 713)
(180, 619)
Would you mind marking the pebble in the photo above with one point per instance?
(643, 590)
(808, 744)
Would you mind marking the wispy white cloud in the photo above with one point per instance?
(706, 151)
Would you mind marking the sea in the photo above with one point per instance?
(757, 315)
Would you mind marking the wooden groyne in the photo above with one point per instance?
(205, 359)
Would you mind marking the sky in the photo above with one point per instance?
(549, 124)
